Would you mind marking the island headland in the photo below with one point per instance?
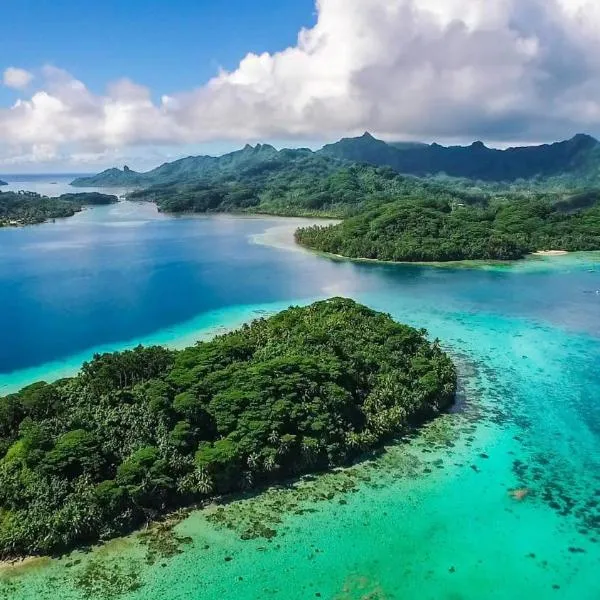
(139, 433)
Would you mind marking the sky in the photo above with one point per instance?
(85, 86)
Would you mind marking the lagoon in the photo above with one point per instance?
(431, 517)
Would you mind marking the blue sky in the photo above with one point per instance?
(88, 85)
(167, 45)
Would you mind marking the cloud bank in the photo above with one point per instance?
(514, 70)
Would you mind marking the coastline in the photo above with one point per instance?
(550, 253)
(535, 258)
(282, 237)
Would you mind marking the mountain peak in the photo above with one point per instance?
(583, 138)
(478, 145)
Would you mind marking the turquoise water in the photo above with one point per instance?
(430, 517)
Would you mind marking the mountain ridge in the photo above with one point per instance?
(476, 161)
(576, 159)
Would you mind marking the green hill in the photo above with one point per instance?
(570, 164)
(189, 169)
(261, 179)
(142, 432)
(550, 200)
(576, 161)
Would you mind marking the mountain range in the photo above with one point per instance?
(574, 163)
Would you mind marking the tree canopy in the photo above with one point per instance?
(29, 208)
(442, 231)
(143, 431)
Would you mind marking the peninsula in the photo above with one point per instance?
(443, 231)
(139, 433)
(29, 208)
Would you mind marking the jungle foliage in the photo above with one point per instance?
(140, 432)
(442, 231)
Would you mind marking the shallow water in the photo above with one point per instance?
(430, 517)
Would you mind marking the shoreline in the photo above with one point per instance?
(203, 327)
(550, 253)
(471, 263)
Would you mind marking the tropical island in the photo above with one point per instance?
(28, 208)
(142, 432)
(399, 202)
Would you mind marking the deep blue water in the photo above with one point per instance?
(118, 273)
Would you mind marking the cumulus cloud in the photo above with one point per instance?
(514, 70)
(16, 78)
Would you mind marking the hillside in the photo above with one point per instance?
(292, 183)
(570, 164)
(192, 168)
(576, 161)
(261, 179)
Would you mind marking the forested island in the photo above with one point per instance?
(141, 432)
(437, 230)
(29, 208)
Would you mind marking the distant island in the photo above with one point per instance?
(142, 432)
(400, 201)
(29, 208)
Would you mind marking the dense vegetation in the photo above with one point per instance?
(28, 208)
(299, 185)
(263, 180)
(568, 165)
(142, 431)
(571, 164)
(440, 231)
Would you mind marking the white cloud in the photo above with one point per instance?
(433, 69)
(16, 78)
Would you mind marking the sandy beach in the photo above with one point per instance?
(550, 253)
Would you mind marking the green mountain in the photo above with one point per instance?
(261, 179)
(573, 163)
(193, 168)
(577, 159)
